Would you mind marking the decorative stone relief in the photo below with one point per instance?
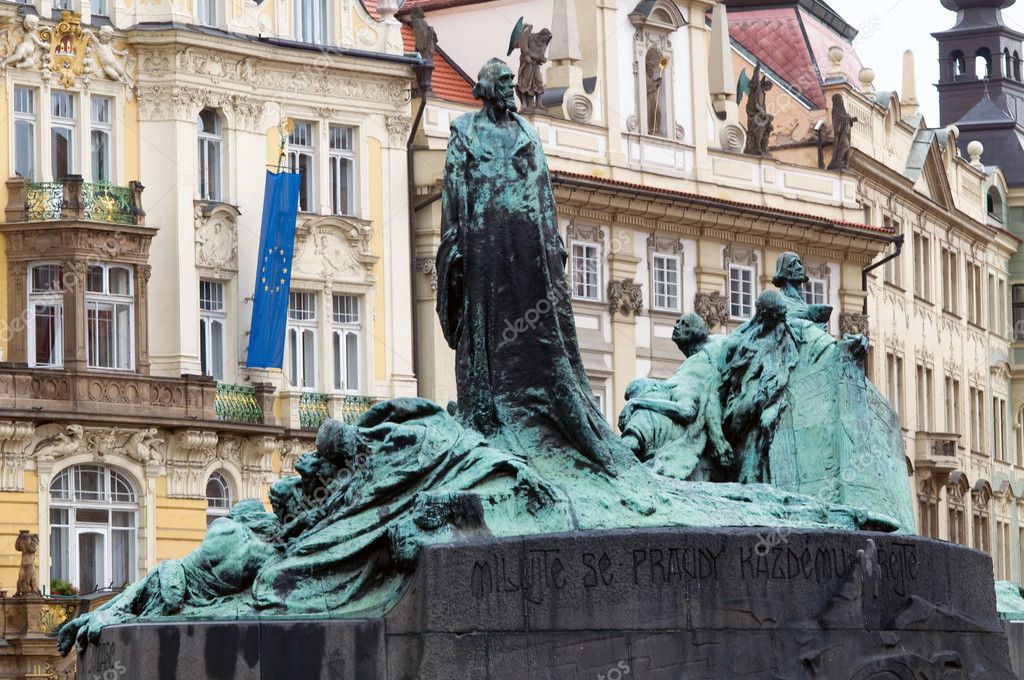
(398, 130)
(851, 323)
(735, 255)
(257, 458)
(335, 249)
(15, 438)
(665, 244)
(585, 232)
(580, 108)
(159, 102)
(625, 297)
(216, 227)
(57, 442)
(186, 461)
(428, 267)
(713, 307)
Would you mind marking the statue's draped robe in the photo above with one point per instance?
(503, 301)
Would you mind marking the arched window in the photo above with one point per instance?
(1016, 65)
(983, 63)
(959, 63)
(1007, 63)
(210, 155)
(994, 201)
(93, 528)
(928, 504)
(218, 497)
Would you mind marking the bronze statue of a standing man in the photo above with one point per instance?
(502, 299)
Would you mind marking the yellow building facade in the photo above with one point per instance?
(136, 140)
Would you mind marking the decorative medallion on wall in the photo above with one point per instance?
(713, 307)
(335, 250)
(625, 297)
(851, 323)
(216, 238)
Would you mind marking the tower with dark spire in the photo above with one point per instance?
(981, 89)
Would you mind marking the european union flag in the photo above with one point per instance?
(273, 271)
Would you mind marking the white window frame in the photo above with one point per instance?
(815, 291)
(346, 326)
(29, 119)
(63, 4)
(340, 155)
(304, 146)
(302, 326)
(218, 506)
(60, 121)
(96, 299)
(586, 281)
(210, 146)
(212, 321)
(104, 128)
(744, 303)
(207, 14)
(67, 496)
(309, 21)
(101, 8)
(49, 298)
(662, 299)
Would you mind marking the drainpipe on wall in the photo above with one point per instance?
(898, 242)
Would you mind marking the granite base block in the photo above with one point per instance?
(656, 604)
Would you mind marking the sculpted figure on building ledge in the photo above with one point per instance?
(760, 123)
(533, 48)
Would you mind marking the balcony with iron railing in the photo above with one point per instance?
(73, 199)
(305, 410)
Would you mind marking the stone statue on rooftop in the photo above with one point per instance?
(426, 36)
(533, 48)
(760, 123)
(842, 130)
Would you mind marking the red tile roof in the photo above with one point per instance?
(449, 83)
(780, 212)
(795, 45)
(428, 5)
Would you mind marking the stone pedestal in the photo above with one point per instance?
(657, 604)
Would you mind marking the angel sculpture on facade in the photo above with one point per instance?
(109, 61)
(533, 49)
(26, 46)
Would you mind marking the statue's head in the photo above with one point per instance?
(251, 513)
(789, 268)
(30, 21)
(690, 333)
(496, 85)
(106, 34)
(417, 13)
(770, 308)
(286, 498)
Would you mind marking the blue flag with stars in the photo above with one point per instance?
(273, 271)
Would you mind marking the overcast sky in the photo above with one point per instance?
(888, 27)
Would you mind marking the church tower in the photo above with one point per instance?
(981, 89)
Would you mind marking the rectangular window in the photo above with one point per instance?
(1018, 313)
(342, 165)
(212, 318)
(63, 4)
(301, 160)
(99, 8)
(586, 271)
(977, 408)
(974, 294)
(950, 282)
(894, 384)
(741, 291)
(101, 134)
(816, 292)
(310, 17)
(109, 314)
(924, 398)
(46, 316)
(1000, 443)
(665, 270)
(206, 12)
(62, 134)
(345, 343)
(922, 266)
(953, 424)
(893, 270)
(25, 133)
(301, 340)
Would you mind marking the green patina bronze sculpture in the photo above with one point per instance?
(774, 425)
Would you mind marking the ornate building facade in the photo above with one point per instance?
(136, 142)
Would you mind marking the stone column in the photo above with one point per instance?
(75, 271)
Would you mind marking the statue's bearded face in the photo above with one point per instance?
(795, 270)
(505, 88)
